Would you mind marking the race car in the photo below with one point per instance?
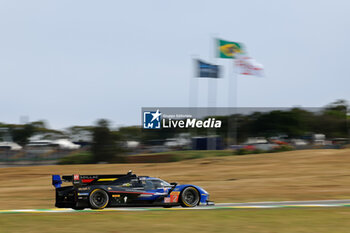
(124, 190)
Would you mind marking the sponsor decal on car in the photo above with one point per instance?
(83, 194)
(174, 196)
(89, 177)
(115, 195)
(107, 179)
(146, 195)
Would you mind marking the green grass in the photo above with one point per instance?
(291, 220)
(84, 157)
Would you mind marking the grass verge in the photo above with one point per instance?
(320, 220)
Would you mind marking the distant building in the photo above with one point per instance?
(10, 146)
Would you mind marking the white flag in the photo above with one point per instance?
(248, 66)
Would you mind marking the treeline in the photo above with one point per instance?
(293, 123)
(20, 133)
(296, 122)
(105, 141)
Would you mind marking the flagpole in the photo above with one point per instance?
(232, 104)
(209, 93)
(193, 90)
(193, 95)
(235, 100)
(212, 91)
(213, 53)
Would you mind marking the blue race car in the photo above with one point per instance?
(126, 190)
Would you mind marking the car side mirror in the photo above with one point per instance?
(173, 184)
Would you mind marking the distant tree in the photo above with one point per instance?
(22, 134)
(80, 133)
(105, 143)
(39, 124)
(152, 137)
(333, 119)
(130, 133)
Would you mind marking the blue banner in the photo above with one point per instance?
(206, 70)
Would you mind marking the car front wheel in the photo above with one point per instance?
(189, 197)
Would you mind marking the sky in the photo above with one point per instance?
(73, 62)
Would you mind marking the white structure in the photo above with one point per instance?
(66, 144)
(256, 140)
(132, 144)
(33, 143)
(319, 139)
(61, 143)
(299, 142)
(11, 145)
(182, 140)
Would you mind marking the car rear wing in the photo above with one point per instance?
(78, 180)
(57, 180)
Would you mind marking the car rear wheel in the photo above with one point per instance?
(189, 197)
(98, 199)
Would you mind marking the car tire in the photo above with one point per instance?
(98, 199)
(189, 197)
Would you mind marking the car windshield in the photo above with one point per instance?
(162, 183)
(156, 184)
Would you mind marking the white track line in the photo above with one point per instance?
(251, 205)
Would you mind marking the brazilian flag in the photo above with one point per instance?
(229, 49)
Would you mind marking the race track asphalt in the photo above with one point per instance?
(313, 203)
